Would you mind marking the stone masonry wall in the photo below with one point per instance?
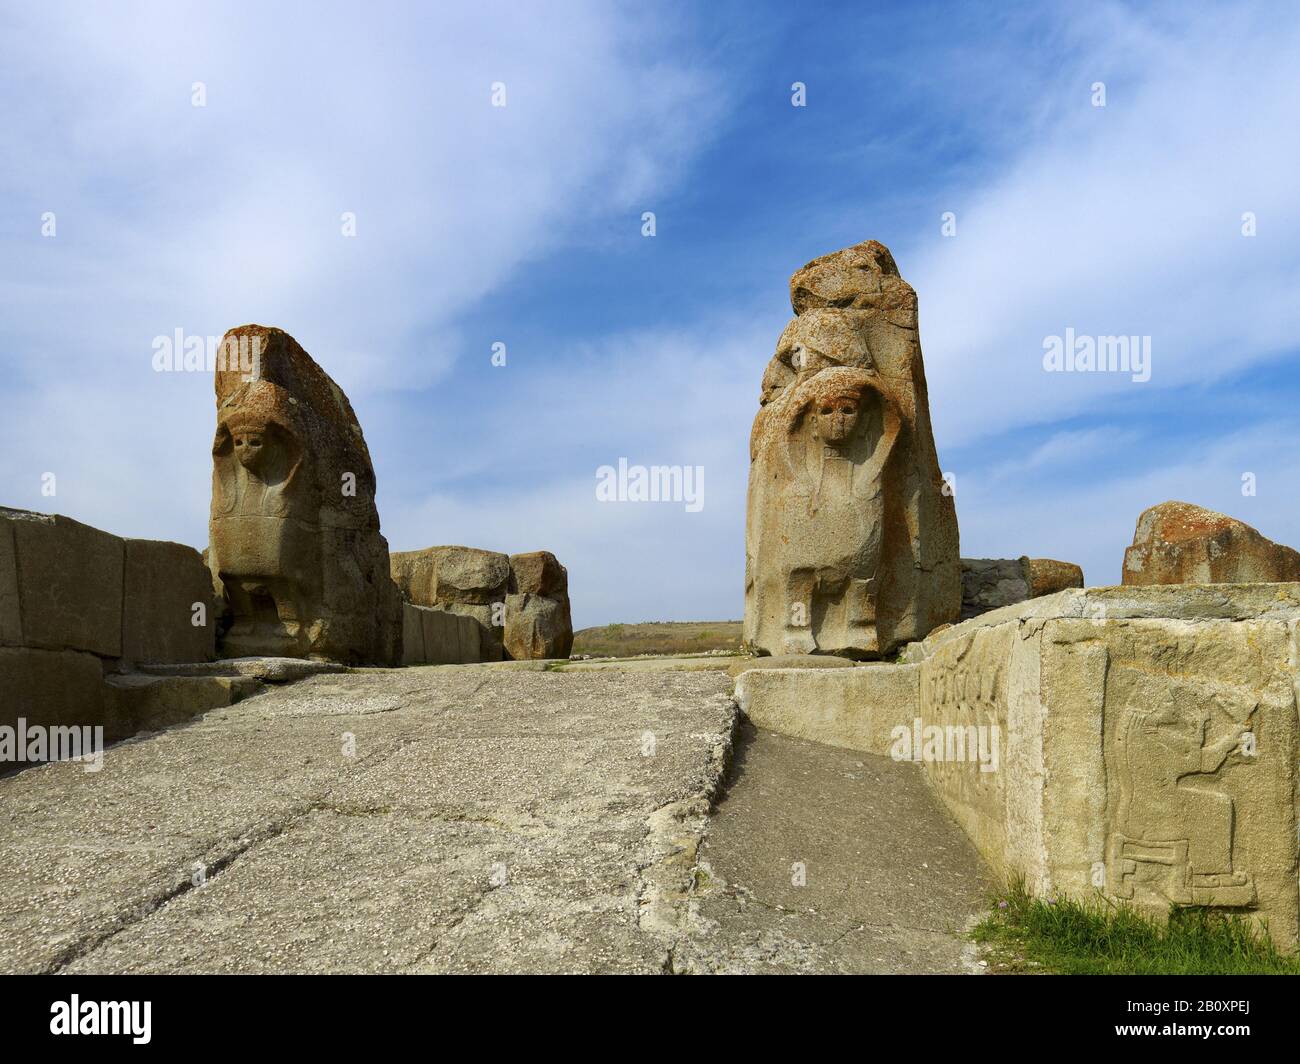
(77, 602)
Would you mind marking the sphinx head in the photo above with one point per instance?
(836, 417)
(250, 444)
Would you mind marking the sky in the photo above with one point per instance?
(402, 187)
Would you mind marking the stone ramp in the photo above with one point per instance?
(477, 819)
(487, 820)
(890, 882)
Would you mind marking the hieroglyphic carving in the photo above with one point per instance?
(1172, 823)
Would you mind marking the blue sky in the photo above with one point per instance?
(522, 225)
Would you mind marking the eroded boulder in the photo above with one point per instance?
(538, 621)
(1180, 543)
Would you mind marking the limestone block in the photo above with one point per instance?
(50, 687)
(11, 621)
(442, 637)
(413, 652)
(990, 583)
(436, 576)
(987, 583)
(538, 623)
(1047, 576)
(476, 640)
(538, 626)
(135, 702)
(853, 708)
(163, 583)
(480, 628)
(1147, 744)
(538, 572)
(69, 584)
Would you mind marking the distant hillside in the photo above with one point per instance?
(657, 637)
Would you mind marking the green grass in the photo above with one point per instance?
(1098, 937)
(658, 637)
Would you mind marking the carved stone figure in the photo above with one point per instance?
(295, 542)
(1174, 822)
(851, 539)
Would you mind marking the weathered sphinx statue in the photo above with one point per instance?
(294, 533)
(850, 540)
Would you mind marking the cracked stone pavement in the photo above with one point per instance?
(478, 819)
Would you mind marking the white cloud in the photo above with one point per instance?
(1125, 220)
(171, 216)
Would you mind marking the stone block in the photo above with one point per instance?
(136, 702)
(50, 687)
(1146, 745)
(69, 583)
(412, 635)
(855, 708)
(163, 583)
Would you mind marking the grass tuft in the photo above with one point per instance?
(1098, 937)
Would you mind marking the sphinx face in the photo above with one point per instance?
(250, 448)
(836, 419)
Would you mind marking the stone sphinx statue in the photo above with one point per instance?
(295, 546)
(851, 541)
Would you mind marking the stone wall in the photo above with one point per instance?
(1137, 742)
(77, 602)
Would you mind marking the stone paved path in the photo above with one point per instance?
(474, 819)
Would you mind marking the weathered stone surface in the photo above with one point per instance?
(1140, 742)
(436, 576)
(1178, 543)
(538, 627)
(295, 540)
(465, 581)
(136, 702)
(874, 900)
(163, 584)
(538, 572)
(538, 620)
(851, 540)
(382, 857)
(790, 661)
(413, 652)
(60, 584)
(989, 583)
(1047, 576)
(11, 617)
(440, 637)
(50, 687)
(268, 670)
(853, 708)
